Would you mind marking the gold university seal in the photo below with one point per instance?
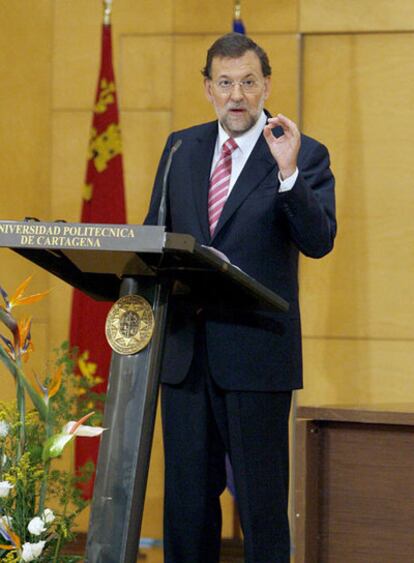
(129, 324)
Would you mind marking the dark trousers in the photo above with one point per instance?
(201, 422)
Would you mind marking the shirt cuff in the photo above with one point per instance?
(288, 183)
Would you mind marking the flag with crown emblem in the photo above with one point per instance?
(103, 202)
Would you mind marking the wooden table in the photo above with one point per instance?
(354, 484)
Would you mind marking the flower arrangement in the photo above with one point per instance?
(31, 438)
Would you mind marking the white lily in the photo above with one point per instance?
(5, 488)
(54, 446)
(31, 551)
(36, 526)
(48, 516)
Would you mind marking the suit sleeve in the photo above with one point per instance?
(152, 215)
(310, 205)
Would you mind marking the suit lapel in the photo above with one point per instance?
(258, 166)
(201, 158)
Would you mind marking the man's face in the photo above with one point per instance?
(237, 109)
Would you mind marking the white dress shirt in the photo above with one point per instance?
(246, 143)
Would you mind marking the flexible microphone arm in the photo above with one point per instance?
(162, 211)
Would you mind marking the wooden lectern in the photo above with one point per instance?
(111, 261)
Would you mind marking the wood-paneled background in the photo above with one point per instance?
(346, 69)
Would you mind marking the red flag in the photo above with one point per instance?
(103, 202)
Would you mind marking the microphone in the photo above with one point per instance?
(162, 211)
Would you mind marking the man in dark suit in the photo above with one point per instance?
(254, 188)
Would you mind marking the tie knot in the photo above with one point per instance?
(229, 146)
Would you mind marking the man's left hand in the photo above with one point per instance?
(285, 148)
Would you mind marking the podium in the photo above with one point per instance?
(111, 261)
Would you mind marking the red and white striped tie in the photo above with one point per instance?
(219, 184)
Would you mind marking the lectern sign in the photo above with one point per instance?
(82, 236)
(129, 325)
(64, 235)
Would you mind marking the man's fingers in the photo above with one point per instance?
(267, 132)
(289, 127)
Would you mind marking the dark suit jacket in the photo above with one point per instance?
(261, 231)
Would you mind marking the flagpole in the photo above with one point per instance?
(107, 5)
(237, 9)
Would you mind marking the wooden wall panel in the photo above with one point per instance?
(355, 15)
(70, 146)
(216, 16)
(190, 105)
(146, 72)
(283, 52)
(365, 288)
(144, 135)
(24, 108)
(141, 16)
(357, 371)
(76, 50)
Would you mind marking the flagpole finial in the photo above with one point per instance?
(237, 9)
(107, 4)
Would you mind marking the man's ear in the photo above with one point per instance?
(207, 89)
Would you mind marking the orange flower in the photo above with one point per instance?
(47, 392)
(14, 538)
(18, 299)
(24, 339)
(56, 382)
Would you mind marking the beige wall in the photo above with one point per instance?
(25, 143)
(358, 304)
(357, 96)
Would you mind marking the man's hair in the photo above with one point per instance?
(235, 45)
